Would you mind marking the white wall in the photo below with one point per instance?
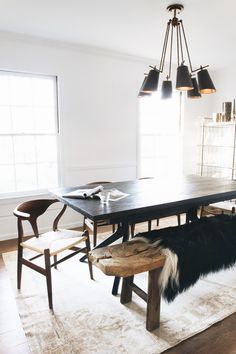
(226, 91)
(98, 110)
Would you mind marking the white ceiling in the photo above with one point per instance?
(130, 26)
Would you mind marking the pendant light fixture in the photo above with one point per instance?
(185, 79)
(195, 92)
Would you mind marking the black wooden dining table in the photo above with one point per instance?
(150, 199)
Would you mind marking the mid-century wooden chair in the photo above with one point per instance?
(132, 226)
(226, 207)
(94, 225)
(47, 244)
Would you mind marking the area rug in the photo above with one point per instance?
(88, 319)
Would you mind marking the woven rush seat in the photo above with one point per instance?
(56, 241)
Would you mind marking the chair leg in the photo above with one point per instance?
(95, 230)
(157, 222)
(55, 260)
(48, 277)
(179, 220)
(89, 262)
(201, 211)
(19, 266)
(84, 225)
(132, 229)
(149, 225)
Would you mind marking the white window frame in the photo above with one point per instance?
(40, 191)
(180, 133)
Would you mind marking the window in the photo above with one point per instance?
(160, 137)
(28, 132)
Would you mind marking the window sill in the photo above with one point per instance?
(12, 197)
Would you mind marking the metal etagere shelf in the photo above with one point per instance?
(217, 150)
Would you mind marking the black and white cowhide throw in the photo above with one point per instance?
(192, 251)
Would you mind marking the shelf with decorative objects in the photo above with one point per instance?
(217, 150)
(217, 158)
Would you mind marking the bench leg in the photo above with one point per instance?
(123, 229)
(126, 291)
(153, 301)
(115, 285)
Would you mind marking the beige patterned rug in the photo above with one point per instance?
(87, 319)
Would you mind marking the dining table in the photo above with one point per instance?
(148, 199)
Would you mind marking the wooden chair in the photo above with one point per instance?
(48, 244)
(132, 226)
(226, 207)
(94, 225)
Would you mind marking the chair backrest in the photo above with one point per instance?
(98, 182)
(145, 177)
(31, 210)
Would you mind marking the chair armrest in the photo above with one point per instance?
(20, 214)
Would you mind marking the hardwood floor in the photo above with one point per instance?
(219, 339)
(12, 337)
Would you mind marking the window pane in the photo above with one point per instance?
(23, 120)
(5, 120)
(26, 177)
(45, 119)
(148, 168)
(46, 148)
(160, 146)
(47, 175)
(21, 90)
(4, 89)
(24, 149)
(43, 92)
(148, 146)
(6, 150)
(7, 179)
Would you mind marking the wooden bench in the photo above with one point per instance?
(130, 258)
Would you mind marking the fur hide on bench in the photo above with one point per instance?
(192, 251)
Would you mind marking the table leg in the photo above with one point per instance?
(191, 215)
(119, 233)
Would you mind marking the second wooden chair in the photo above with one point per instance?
(94, 225)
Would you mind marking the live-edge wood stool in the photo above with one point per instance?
(130, 258)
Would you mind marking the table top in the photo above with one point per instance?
(152, 198)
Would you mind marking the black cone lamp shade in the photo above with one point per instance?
(195, 92)
(141, 92)
(166, 90)
(183, 79)
(151, 83)
(205, 83)
(144, 94)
